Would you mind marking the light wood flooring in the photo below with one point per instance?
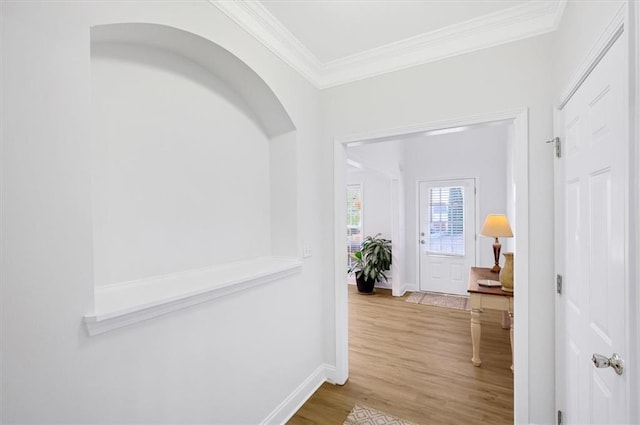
(414, 362)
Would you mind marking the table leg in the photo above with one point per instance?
(511, 338)
(506, 320)
(475, 336)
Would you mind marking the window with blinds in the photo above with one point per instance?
(446, 220)
(354, 219)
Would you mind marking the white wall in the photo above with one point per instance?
(182, 176)
(581, 25)
(377, 165)
(480, 153)
(231, 360)
(508, 244)
(382, 157)
(514, 75)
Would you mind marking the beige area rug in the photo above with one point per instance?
(458, 302)
(363, 415)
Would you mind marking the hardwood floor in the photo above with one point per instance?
(414, 361)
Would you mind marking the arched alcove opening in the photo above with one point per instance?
(194, 173)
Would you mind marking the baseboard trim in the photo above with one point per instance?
(300, 395)
(408, 287)
(332, 374)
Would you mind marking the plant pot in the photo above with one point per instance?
(365, 286)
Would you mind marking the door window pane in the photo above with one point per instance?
(445, 219)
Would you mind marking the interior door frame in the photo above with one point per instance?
(520, 119)
(476, 240)
(617, 28)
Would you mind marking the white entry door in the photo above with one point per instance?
(592, 182)
(446, 234)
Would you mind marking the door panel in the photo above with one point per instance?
(447, 234)
(591, 184)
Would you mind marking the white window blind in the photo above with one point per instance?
(354, 218)
(446, 220)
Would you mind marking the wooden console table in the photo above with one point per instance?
(482, 297)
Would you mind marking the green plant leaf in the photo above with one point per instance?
(373, 258)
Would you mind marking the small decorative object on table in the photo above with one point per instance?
(489, 283)
(506, 274)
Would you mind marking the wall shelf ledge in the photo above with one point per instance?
(126, 303)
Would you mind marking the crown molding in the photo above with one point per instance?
(257, 21)
(505, 26)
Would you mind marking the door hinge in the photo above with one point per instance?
(559, 284)
(559, 417)
(556, 142)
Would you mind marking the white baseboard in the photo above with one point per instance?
(381, 285)
(300, 395)
(332, 375)
(408, 287)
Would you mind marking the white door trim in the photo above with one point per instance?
(635, 207)
(619, 27)
(614, 30)
(520, 119)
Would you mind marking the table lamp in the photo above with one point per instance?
(495, 226)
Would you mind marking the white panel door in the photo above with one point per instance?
(447, 234)
(591, 192)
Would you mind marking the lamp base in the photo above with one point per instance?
(496, 256)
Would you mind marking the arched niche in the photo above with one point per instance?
(238, 76)
(194, 182)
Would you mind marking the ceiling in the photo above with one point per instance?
(332, 42)
(334, 29)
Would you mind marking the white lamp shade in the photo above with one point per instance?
(496, 226)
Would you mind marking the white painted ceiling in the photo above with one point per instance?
(334, 29)
(333, 42)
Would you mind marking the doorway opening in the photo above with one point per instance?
(519, 148)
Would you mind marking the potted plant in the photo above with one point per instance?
(371, 262)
